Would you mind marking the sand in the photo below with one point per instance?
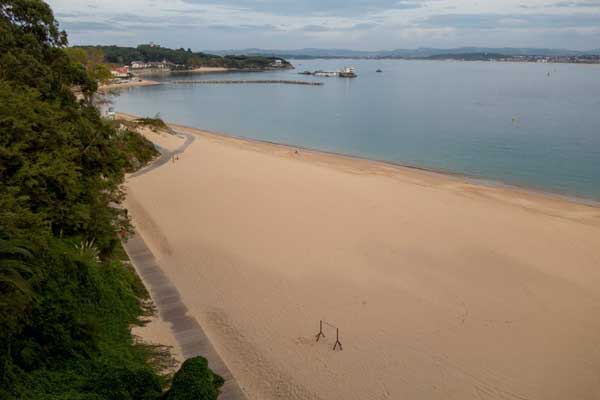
(164, 139)
(170, 141)
(441, 288)
(132, 83)
(157, 332)
(203, 70)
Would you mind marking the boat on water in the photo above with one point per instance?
(347, 72)
(378, 70)
(328, 74)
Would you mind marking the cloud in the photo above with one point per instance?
(314, 7)
(357, 24)
(494, 21)
(576, 4)
(351, 28)
(89, 22)
(89, 26)
(184, 11)
(246, 28)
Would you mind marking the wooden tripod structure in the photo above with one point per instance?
(337, 334)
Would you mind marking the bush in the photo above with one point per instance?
(139, 150)
(195, 381)
(155, 123)
(126, 382)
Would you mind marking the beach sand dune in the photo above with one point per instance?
(441, 288)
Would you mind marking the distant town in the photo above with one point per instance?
(497, 57)
(582, 59)
(500, 54)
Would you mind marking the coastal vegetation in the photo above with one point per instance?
(185, 59)
(194, 381)
(93, 61)
(153, 122)
(68, 296)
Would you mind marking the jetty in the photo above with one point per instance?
(242, 81)
(346, 72)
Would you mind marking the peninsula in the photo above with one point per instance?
(152, 57)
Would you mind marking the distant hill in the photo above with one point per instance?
(422, 52)
(183, 58)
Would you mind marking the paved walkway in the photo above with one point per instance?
(187, 331)
(166, 155)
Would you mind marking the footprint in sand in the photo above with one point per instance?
(304, 341)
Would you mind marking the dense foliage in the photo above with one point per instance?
(195, 381)
(93, 60)
(67, 295)
(183, 58)
(155, 123)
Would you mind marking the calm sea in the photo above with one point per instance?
(534, 125)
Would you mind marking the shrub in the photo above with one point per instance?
(139, 150)
(155, 123)
(195, 381)
(126, 382)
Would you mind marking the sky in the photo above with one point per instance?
(348, 24)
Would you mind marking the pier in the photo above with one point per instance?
(242, 81)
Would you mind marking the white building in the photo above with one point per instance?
(164, 64)
(139, 64)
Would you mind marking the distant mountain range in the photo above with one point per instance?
(405, 53)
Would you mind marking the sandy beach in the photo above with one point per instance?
(204, 70)
(132, 83)
(441, 288)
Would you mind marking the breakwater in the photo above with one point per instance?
(242, 81)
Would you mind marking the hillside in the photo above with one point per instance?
(187, 59)
(421, 52)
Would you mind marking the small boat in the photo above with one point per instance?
(378, 70)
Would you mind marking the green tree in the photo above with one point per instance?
(195, 381)
(31, 50)
(67, 301)
(15, 266)
(92, 59)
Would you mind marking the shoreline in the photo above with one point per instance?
(421, 271)
(137, 82)
(204, 70)
(466, 178)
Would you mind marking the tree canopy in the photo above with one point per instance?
(67, 296)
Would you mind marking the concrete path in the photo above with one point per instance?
(187, 331)
(165, 155)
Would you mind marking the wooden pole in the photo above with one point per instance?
(320, 334)
(337, 339)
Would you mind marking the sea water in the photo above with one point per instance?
(527, 124)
